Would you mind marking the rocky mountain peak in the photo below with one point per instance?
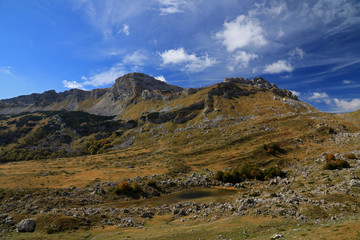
(133, 84)
(261, 83)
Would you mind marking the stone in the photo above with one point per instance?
(354, 183)
(26, 225)
(276, 236)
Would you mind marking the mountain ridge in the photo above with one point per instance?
(125, 91)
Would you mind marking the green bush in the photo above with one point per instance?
(247, 171)
(97, 146)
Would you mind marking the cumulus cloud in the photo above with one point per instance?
(242, 32)
(241, 58)
(102, 78)
(177, 56)
(199, 64)
(337, 105)
(72, 84)
(278, 67)
(6, 69)
(191, 61)
(161, 78)
(320, 97)
(171, 6)
(347, 106)
(125, 30)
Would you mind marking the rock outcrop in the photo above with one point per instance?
(261, 83)
(26, 225)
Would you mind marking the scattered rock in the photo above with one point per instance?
(26, 225)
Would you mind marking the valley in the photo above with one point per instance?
(110, 165)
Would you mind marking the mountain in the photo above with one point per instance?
(127, 91)
(78, 160)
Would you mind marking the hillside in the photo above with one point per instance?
(163, 140)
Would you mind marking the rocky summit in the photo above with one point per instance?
(142, 159)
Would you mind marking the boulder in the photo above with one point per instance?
(26, 225)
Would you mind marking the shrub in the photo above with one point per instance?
(152, 183)
(274, 172)
(350, 156)
(123, 188)
(247, 171)
(153, 115)
(273, 148)
(95, 147)
(219, 175)
(337, 164)
(135, 187)
(330, 157)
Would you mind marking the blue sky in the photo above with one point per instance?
(309, 47)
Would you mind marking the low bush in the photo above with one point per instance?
(337, 164)
(247, 171)
(135, 187)
(151, 183)
(330, 157)
(350, 156)
(123, 188)
(97, 146)
(273, 148)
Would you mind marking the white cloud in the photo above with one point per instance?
(108, 16)
(73, 84)
(243, 58)
(171, 6)
(242, 32)
(297, 53)
(177, 56)
(278, 67)
(101, 78)
(106, 77)
(329, 10)
(161, 78)
(347, 81)
(281, 33)
(320, 97)
(199, 64)
(136, 58)
(193, 63)
(296, 93)
(6, 69)
(125, 30)
(347, 106)
(271, 8)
